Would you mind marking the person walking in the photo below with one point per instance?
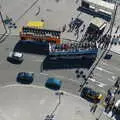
(64, 28)
(117, 29)
(38, 11)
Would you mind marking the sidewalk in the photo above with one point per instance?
(34, 102)
(101, 115)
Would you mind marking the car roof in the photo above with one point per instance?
(90, 90)
(16, 54)
(54, 81)
(28, 74)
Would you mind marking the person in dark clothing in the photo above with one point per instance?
(37, 13)
(94, 107)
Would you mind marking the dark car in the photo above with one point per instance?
(91, 95)
(15, 57)
(25, 77)
(53, 83)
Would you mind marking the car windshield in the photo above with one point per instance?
(28, 74)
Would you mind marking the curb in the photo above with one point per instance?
(114, 52)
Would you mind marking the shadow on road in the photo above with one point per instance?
(64, 63)
(27, 46)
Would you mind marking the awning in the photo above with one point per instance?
(38, 24)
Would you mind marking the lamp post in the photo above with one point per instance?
(59, 94)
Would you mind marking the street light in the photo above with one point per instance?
(59, 94)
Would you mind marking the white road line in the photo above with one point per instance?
(44, 74)
(118, 69)
(111, 80)
(101, 85)
(35, 86)
(21, 85)
(104, 63)
(113, 77)
(101, 69)
(91, 79)
(63, 77)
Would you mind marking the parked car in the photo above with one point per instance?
(53, 83)
(25, 77)
(90, 94)
(15, 57)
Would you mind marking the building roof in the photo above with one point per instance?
(102, 4)
(98, 22)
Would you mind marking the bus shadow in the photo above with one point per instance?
(27, 46)
(58, 63)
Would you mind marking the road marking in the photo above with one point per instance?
(101, 85)
(104, 63)
(37, 60)
(101, 69)
(118, 69)
(111, 80)
(44, 74)
(93, 80)
(35, 86)
(113, 77)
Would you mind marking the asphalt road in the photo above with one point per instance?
(104, 74)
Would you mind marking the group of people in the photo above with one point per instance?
(115, 40)
(74, 26)
(111, 97)
(72, 46)
(104, 41)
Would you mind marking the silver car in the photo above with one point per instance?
(16, 57)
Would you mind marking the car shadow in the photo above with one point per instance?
(13, 61)
(108, 57)
(87, 99)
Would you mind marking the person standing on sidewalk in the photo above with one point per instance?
(38, 11)
(117, 85)
(94, 107)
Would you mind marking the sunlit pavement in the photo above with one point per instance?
(33, 102)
